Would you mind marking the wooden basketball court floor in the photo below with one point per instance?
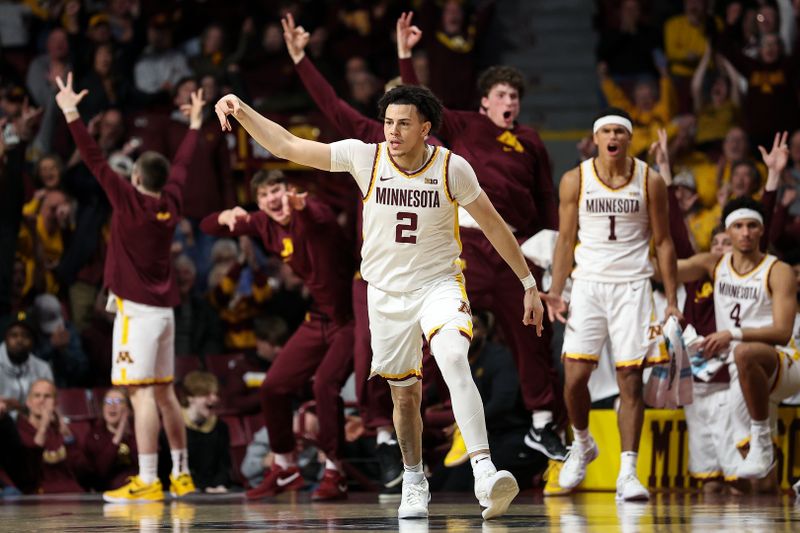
(587, 512)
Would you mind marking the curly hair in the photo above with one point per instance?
(501, 74)
(428, 106)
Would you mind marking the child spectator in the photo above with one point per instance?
(208, 440)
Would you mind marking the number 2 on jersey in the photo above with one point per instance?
(400, 234)
(735, 315)
(612, 222)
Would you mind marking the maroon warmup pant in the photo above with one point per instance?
(321, 349)
(493, 286)
(374, 396)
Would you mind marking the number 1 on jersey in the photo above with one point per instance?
(612, 222)
(400, 234)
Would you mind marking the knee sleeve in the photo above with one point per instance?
(449, 349)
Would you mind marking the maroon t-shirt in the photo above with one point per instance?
(512, 165)
(314, 246)
(138, 263)
(57, 465)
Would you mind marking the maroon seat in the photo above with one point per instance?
(220, 365)
(238, 446)
(185, 364)
(80, 430)
(76, 404)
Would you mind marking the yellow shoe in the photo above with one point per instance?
(551, 487)
(181, 485)
(136, 490)
(458, 451)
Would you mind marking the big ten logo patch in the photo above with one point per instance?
(464, 308)
(288, 249)
(124, 357)
(654, 331)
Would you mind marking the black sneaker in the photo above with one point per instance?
(546, 441)
(391, 494)
(391, 462)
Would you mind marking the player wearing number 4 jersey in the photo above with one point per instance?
(755, 305)
(411, 194)
(612, 205)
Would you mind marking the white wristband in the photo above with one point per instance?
(736, 333)
(528, 282)
(69, 110)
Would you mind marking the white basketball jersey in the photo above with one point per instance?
(613, 227)
(410, 224)
(742, 301)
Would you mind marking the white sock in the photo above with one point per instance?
(384, 436)
(330, 465)
(284, 460)
(627, 464)
(482, 463)
(180, 462)
(760, 433)
(413, 474)
(148, 467)
(449, 349)
(542, 418)
(581, 435)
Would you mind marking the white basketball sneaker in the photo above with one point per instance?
(414, 500)
(578, 458)
(630, 489)
(759, 460)
(495, 492)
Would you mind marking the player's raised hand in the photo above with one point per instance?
(556, 307)
(296, 38)
(777, 158)
(660, 149)
(534, 310)
(227, 105)
(194, 110)
(66, 98)
(230, 217)
(407, 35)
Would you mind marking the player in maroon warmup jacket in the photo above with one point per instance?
(304, 233)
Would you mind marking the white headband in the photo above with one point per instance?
(743, 213)
(612, 119)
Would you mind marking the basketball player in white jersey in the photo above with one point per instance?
(610, 208)
(411, 193)
(754, 305)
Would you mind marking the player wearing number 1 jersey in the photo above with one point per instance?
(411, 194)
(610, 208)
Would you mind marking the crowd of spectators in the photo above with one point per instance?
(720, 77)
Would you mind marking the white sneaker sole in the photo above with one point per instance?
(539, 447)
(758, 475)
(111, 499)
(412, 513)
(594, 455)
(503, 492)
(641, 497)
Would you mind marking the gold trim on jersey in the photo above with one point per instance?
(416, 173)
(766, 279)
(417, 372)
(125, 322)
(716, 267)
(146, 381)
(446, 168)
(635, 362)
(749, 272)
(706, 475)
(580, 186)
(646, 194)
(586, 357)
(607, 186)
(373, 178)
